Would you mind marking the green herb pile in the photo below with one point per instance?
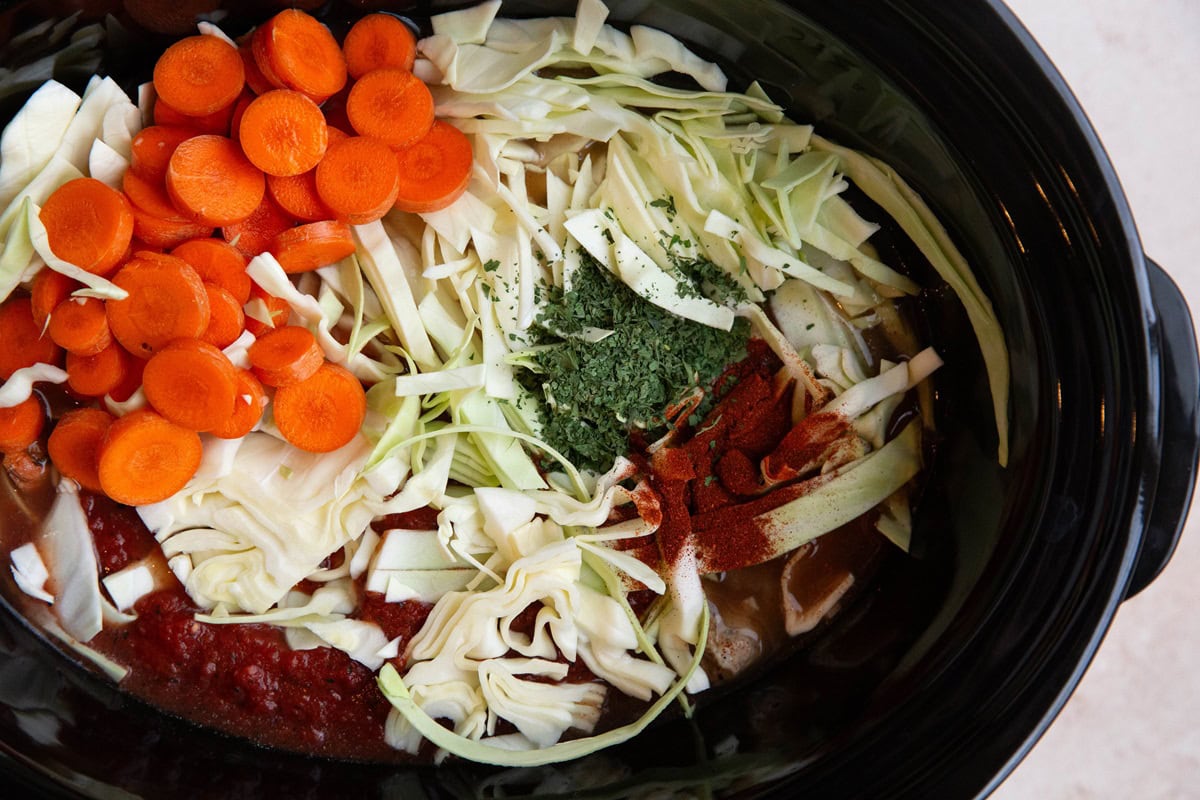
(596, 391)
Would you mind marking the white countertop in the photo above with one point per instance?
(1132, 728)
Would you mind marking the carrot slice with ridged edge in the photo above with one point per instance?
(379, 41)
(312, 246)
(80, 325)
(301, 53)
(247, 408)
(145, 458)
(283, 133)
(285, 356)
(49, 288)
(322, 413)
(101, 373)
(219, 263)
(25, 343)
(434, 171)
(212, 181)
(199, 75)
(191, 383)
(391, 105)
(88, 224)
(254, 234)
(358, 179)
(151, 150)
(21, 425)
(226, 320)
(166, 301)
(74, 445)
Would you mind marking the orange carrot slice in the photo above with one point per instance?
(275, 309)
(434, 171)
(216, 123)
(302, 54)
(49, 288)
(191, 383)
(88, 224)
(312, 246)
(219, 263)
(297, 195)
(285, 356)
(254, 234)
(391, 105)
(255, 80)
(99, 374)
(79, 325)
(322, 413)
(166, 301)
(212, 180)
(145, 458)
(358, 179)
(247, 408)
(199, 75)
(283, 133)
(151, 197)
(152, 148)
(74, 445)
(379, 41)
(21, 425)
(239, 111)
(226, 320)
(165, 233)
(22, 340)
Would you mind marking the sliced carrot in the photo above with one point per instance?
(219, 263)
(21, 425)
(49, 288)
(166, 301)
(151, 197)
(334, 110)
(358, 179)
(254, 234)
(132, 381)
(23, 342)
(321, 413)
(297, 195)
(434, 171)
(391, 105)
(378, 41)
(74, 445)
(226, 320)
(191, 383)
(145, 458)
(239, 111)
(101, 373)
(268, 307)
(255, 80)
(262, 59)
(152, 148)
(79, 325)
(247, 407)
(161, 233)
(302, 53)
(283, 133)
(199, 75)
(285, 356)
(88, 224)
(212, 180)
(216, 123)
(312, 246)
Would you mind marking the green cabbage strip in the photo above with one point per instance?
(393, 688)
(881, 183)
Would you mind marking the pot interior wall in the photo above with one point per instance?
(1001, 555)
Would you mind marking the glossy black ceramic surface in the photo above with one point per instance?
(935, 683)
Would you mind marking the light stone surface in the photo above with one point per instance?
(1132, 728)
